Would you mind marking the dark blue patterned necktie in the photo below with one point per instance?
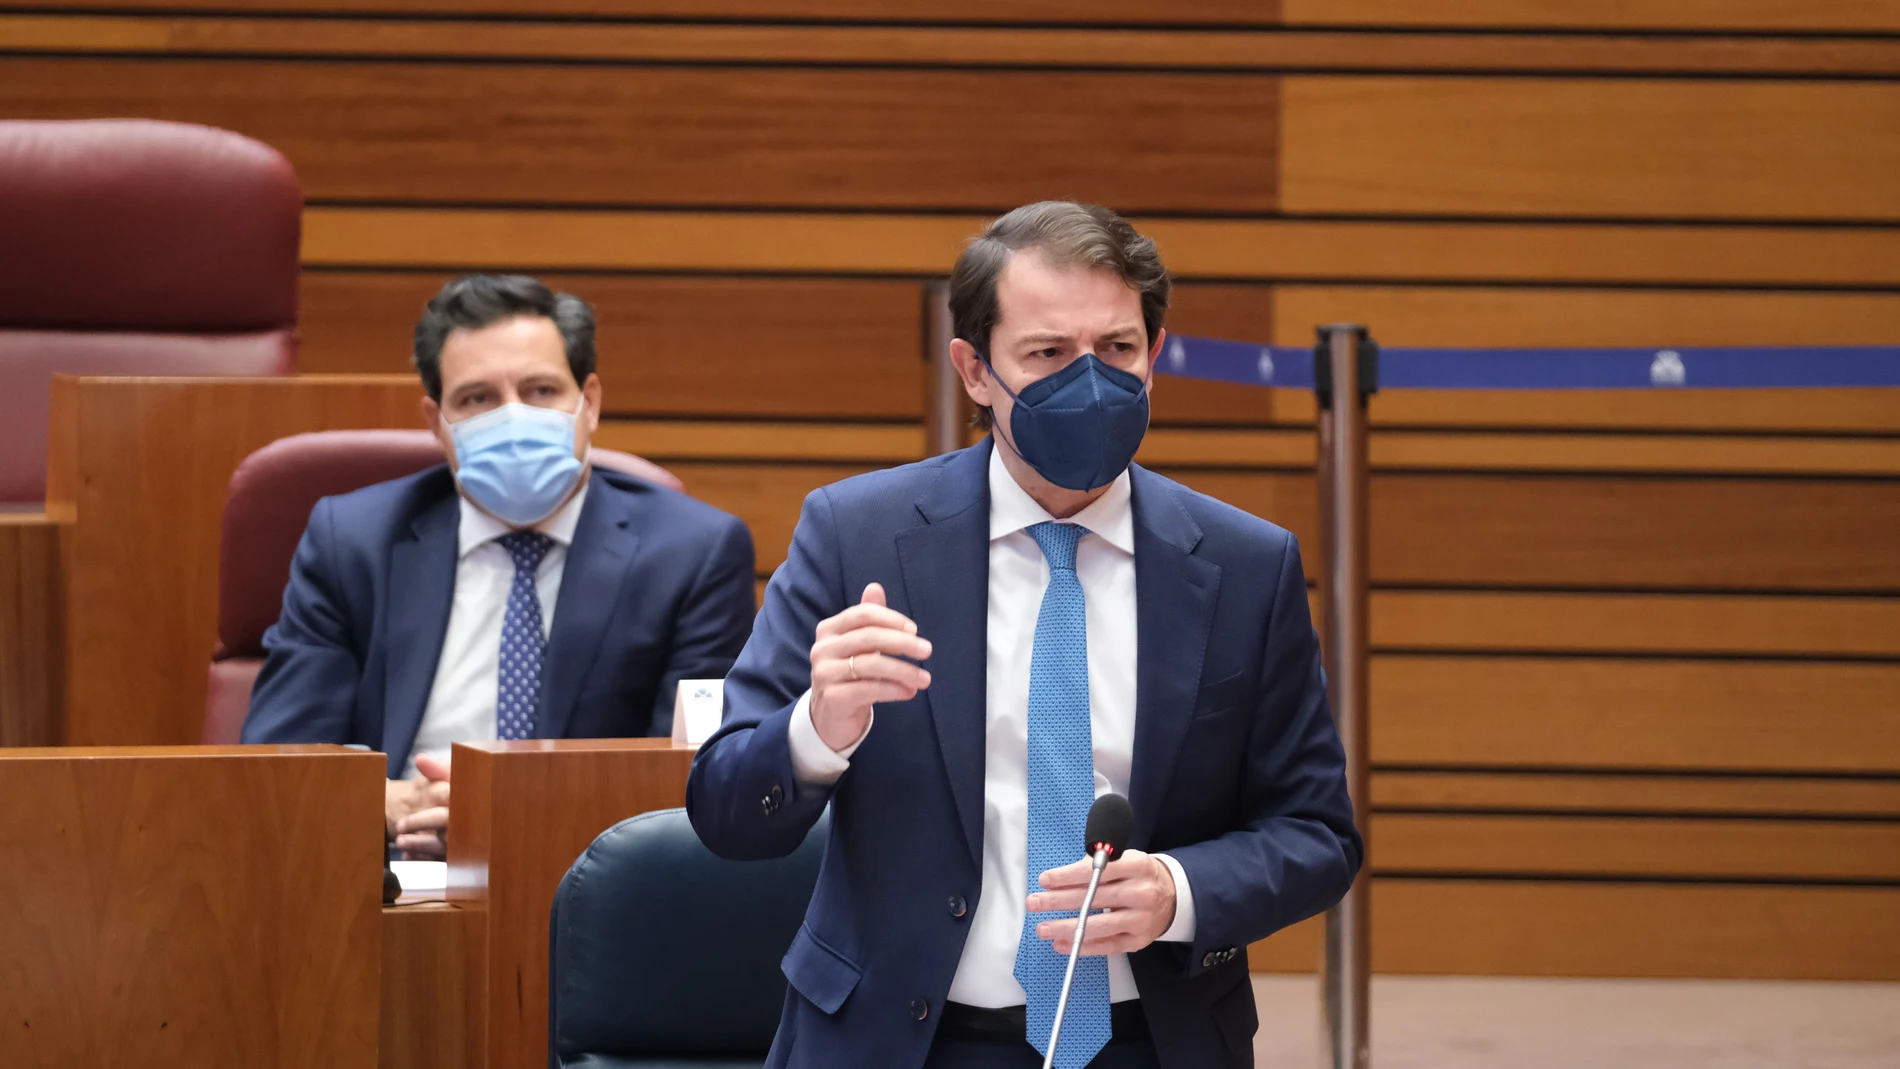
(1061, 789)
(518, 690)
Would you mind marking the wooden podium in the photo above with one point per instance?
(201, 907)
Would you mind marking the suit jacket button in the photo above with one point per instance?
(919, 1009)
(958, 907)
(777, 795)
(1212, 959)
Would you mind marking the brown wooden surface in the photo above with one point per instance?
(193, 906)
(450, 132)
(1797, 15)
(141, 553)
(1512, 791)
(425, 996)
(1597, 712)
(1611, 148)
(523, 813)
(1083, 12)
(30, 629)
(1550, 928)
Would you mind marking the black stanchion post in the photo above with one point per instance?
(1345, 374)
(947, 408)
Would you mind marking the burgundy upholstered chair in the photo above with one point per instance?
(130, 247)
(272, 493)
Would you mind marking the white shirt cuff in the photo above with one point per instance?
(813, 762)
(1182, 930)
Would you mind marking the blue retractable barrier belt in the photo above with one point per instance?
(1735, 367)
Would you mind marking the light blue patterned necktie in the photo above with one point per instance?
(1061, 789)
(518, 690)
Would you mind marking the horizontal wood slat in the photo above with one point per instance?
(1265, 50)
(1633, 847)
(1608, 713)
(1632, 793)
(766, 496)
(1230, 249)
(733, 136)
(706, 440)
(1795, 15)
(1540, 928)
(1636, 623)
(1079, 12)
(1681, 149)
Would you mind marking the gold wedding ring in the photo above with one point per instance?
(853, 662)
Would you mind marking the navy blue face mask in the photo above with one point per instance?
(1079, 428)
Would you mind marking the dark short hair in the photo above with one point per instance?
(1068, 233)
(477, 301)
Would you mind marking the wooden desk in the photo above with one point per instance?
(522, 813)
(30, 629)
(189, 907)
(139, 468)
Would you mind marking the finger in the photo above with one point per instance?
(430, 820)
(865, 640)
(1074, 874)
(436, 794)
(865, 616)
(873, 595)
(865, 692)
(1101, 925)
(424, 846)
(870, 667)
(1092, 947)
(432, 768)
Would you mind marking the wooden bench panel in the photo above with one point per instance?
(1654, 795)
(1549, 928)
(766, 496)
(1079, 12)
(1615, 148)
(1607, 713)
(31, 631)
(1798, 16)
(730, 136)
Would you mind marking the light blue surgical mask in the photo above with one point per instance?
(517, 461)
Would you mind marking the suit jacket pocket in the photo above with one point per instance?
(1222, 696)
(825, 977)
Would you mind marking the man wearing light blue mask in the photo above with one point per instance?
(526, 589)
(1037, 621)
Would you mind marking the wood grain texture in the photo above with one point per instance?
(1788, 15)
(1521, 792)
(1611, 713)
(1637, 847)
(1080, 12)
(1582, 622)
(523, 813)
(31, 629)
(1305, 250)
(142, 551)
(425, 998)
(1616, 148)
(732, 136)
(766, 496)
(1265, 50)
(1548, 928)
(141, 925)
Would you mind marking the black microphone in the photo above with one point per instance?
(1111, 821)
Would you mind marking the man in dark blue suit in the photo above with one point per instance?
(1037, 622)
(516, 592)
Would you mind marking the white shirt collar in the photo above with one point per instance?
(1109, 517)
(478, 528)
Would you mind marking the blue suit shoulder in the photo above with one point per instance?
(1224, 528)
(886, 488)
(378, 512)
(679, 511)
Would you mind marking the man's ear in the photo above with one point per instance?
(976, 377)
(591, 390)
(432, 419)
(1154, 351)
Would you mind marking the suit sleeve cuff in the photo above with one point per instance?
(814, 763)
(1182, 930)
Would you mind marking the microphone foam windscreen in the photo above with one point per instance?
(1111, 821)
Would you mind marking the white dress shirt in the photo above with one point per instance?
(462, 699)
(1105, 565)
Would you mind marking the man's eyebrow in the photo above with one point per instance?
(1121, 331)
(1043, 336)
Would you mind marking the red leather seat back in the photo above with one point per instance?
(132, 247)
(271, 496)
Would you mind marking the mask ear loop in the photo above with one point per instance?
(996, 426)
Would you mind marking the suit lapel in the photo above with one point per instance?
(946, 565)
(1175, 594)
(590, 591)
(421, 590)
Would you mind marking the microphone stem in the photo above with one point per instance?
(1075, 951)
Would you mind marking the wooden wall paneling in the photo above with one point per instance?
(1551, 928)
(31, 629)
(1636, 533)
(1802, 16)
(1508, 790)
(779, 347)
(709, 440)
(736, 136)
(1077, 12)
(425, 997)
(1819, 411)
(1310, 250)
(1638, 847)
(193, 906)
(524, 812)
(1585, 622)
(766, 496)
(1615, 713)
(1613, 148)
(142, 551)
